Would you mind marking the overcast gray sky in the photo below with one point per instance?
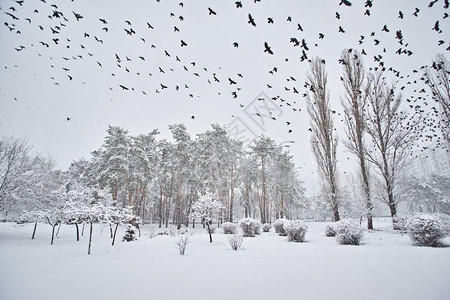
(37, 95)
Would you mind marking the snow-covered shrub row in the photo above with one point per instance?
(278, 225)
(426, 230)
(295, 230)
(228, 228)
(250, 227)
(330, 231)
(349, 232)
(266, 227)
(235, 241)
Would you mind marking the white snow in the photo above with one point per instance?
(386, 266)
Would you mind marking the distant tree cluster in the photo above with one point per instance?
(160, 180)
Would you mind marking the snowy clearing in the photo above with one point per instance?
(386, 266)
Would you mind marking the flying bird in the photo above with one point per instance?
(251, 20)
(345, 2)
(267, 48)
(77, 16)
(211, 12)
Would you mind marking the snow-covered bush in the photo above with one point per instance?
(182, 243)
(228, 228)
(278, 225)
(266, 227)
(130, 234)
(258, 228)
(399, 223)
(235, 241)
(295, 230)
(349, 232)
(426, 230)
(330, 231)
(249, 226)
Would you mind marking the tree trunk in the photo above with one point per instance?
(34, 230)
(59, 227)
(114, 236)
(53, 232)
(209, 231)
(90, 238)
(78, 232)
(231, 193)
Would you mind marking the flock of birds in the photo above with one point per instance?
(84, 48)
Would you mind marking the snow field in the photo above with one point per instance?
(385, 266)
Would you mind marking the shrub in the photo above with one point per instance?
(349, 232)
(278, 225)
(130, 234)
(249, 226)
(295, 230)
(235, 241)
(399, 223)
(182, 243)
(266, 227)
(426, 230)
(257, 228)
(330, 231)
(228, 228)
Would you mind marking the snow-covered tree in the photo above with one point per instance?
(323, 139)
(207, 209)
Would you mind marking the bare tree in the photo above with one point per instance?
(438, 80)
(392, 133)
(323, 141)
(354, 103)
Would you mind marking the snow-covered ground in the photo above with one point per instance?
(385, 267)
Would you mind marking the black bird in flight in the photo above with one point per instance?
(163, 86)
(251, 20)
(77, 16)
(238, 4)
(400, 14)
(267, 48)
(270, 20)
(341, 29)
(211, 12)
(338, 16)
(231, 81)
(235, 45)
(123, 87)
(416, 13)
(149, 26)
(299, 27)
(436, 27)
(183, 43)
(345, 2)
(103, 21)
(289, 19)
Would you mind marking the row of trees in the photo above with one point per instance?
(378, 131)
(161, 180)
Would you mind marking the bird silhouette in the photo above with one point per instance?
(211, 12)
(345, 2)
(77, 16)
(267, 48)
(231, 81)
(183, 43)
(238, 4)
(251, 20)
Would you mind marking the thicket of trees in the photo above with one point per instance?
(161, 180)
